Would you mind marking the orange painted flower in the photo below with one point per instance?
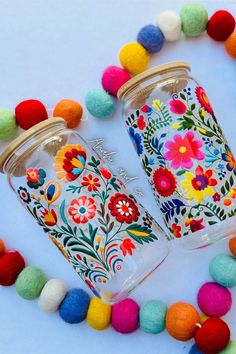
(49, 217)
(230, 159)
(176, 230)
(127, 246)
(227, 202)
(91, 182)
(82, 209)
(232, 193)
(203, 99)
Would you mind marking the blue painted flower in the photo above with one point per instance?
(136, 140)
(24, 195)
(151, 161)
(229, 158)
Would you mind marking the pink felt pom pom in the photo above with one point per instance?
(113, 78)
(125, 316)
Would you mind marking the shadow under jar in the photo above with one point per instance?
(184, 153)
(112, 242)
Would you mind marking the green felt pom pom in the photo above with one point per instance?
(194, 18)
(99, 103)
(152, 316)
(230, 349)
(223, 270)
(8, 126)
(30, 283)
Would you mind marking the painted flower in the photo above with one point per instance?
(82, 209)
(141, 123)
(227, 202)
(105, 173)
(157, 105)
(164, 182)
(24, 195)
(230, 159)
(177, 106)
(203, 100)
(49, 217)
(176, 230)
(147, 220)
(127, 246)
(232, 192)
(35, 177)
(200, 185)
(70, 162)
(216, 197)
(60, 247)
(123, 208)
(52, 191)
(183, 149)
(195, 225)
(146, 109)
(136, 140)
(92, 183)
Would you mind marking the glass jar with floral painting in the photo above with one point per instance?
(183, 152)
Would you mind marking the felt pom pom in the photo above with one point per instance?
(11, 264)
(70, 110)
(230, 349)
(151, 38)
(182, 320)
(134, 58)
(214, 300)
(213, 336)
(29, 113)
(2, 248)
(52, 295)
(125, 316)
(223, 270)
(113, 78)
(221, 25)
(232, 246)
(194, 18)
(152, 316)
(170, 25)
(195, 350)
(99, 103)
(74, 307)
(30, 283)
(99, 314)
(8, 126)
(230, 45)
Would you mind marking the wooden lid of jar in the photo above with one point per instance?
(25, 136)
(147, 74)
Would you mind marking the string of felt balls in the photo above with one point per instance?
(181, 320)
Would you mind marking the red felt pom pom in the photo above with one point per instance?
(221, 25)
(213, 336)
(11, 264)
(29, 113)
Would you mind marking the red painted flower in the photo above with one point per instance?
(176, 230)
(123, 208)
(195, 225)
(91, 182)
(141, 123)
(164, 181)
(216, 197)
(177, 107)
(82, 209)
(127, 246)
(49, 217)
(203, 100)
(105, 173)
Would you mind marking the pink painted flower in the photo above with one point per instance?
(177, 107)
(141, 123)
(183, 149)
(82, 209)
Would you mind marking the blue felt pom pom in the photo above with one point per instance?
(151, 38)
(74, 307)
(195, 350)
(223, 270)
(99, 103)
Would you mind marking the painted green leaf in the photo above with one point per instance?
(62, 212)
(140, 233)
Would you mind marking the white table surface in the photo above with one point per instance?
(58, 48)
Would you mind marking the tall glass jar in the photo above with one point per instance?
(112, 242)
(183, 152)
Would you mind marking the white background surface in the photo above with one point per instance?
(58, 48)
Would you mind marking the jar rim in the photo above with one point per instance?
(25, 136)
(160, 69)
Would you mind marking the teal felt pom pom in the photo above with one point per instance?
(152, 316)
(223, 270)
(30, 283)
(99, 103)
(8, 124)
(194, 18)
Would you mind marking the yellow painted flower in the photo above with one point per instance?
(157, 104)
(101, 248)
(175, 126)
(232, 193)
(98, 238)
(202, 112)
(201, 130)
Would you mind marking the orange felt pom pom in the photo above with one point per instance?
(2, 248)
(232, 246)
(230, 45)
(70, 110)
(182, 320)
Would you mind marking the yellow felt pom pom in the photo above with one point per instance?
(99, 314)
(134, 58)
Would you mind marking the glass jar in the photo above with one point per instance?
(184, 153)
(112, 242)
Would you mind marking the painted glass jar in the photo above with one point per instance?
(184, 153)
(112, 242)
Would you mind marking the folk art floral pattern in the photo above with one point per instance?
(88, 214)
(187, 160)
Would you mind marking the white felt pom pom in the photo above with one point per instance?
(52, 295)
(170, 25)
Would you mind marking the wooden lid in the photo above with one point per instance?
(25, 136)
(161, 69)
